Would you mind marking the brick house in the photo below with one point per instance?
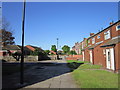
(102, 48)
(77, 47)
(9, 49)
(33, 48)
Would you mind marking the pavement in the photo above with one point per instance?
(44, 74)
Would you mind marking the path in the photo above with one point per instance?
(47, 74)
(61, 76)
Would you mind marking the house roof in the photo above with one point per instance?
(111, 42)
(35, 47)
(11, 47)
(25, 48)
(103, 29)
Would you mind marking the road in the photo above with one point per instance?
(44, 74)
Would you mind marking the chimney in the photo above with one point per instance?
(111, 23)
(91, 34)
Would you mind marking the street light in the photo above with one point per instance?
(22, 49)
(57, 49)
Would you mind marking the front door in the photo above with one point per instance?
(91, 56)
(110, 59)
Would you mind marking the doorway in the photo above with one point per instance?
(110, 59)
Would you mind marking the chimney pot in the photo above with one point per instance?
(111, 23)
(91, 34)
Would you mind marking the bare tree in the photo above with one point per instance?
(7, 34)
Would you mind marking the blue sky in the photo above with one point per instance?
(68, 21)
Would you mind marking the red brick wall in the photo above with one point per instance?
(99, 57)
(74, 57)
(117, 56)
(114, 32)
(87, 55)
(1, 53)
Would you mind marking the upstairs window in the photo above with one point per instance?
(117, 27)
(107, 34)
(98, 37)
(93, 40)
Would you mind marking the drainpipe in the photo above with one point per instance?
(114, 58)
(93, 56)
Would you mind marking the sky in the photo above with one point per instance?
(68, 21)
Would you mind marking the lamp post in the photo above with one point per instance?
(22, 49)
(57, 49)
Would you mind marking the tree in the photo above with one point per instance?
(53, 48)
(17, 55)
(66, 49)
(7, 38)
(72, 53)
(47, 52)
(6, 34)
(37, 52)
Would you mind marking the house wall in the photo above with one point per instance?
(115, 33)
(117, 56)
(99, 57)
(86, 55)
(1, 53)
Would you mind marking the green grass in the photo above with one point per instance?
(71, 61)
(86, 77)
(89, 66)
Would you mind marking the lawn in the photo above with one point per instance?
(90, 76)
(71, 61)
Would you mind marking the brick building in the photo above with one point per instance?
(9, 49)
(77, 47)
(103, 47)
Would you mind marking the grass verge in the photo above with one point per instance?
(71, 61)
(86, 77)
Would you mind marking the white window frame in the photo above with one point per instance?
(117, 28)
(93, 40)
(98, 37)
(107, 35)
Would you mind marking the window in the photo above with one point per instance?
(117, 27)
(107, 34)
(98, 36)
(93, 40)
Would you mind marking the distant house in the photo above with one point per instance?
(33, 48)
(27, 51)
(9, 49)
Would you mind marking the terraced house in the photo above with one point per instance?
(103, 47)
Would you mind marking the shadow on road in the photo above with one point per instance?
(35, 72)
